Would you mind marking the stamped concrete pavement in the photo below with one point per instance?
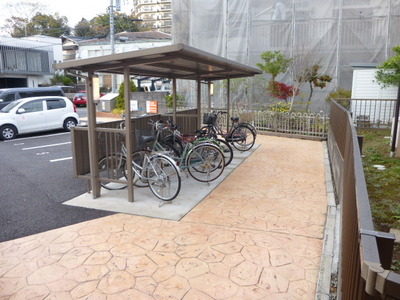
(258, 235)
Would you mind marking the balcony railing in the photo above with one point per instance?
(374, 113)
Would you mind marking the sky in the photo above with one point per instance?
(74, 10)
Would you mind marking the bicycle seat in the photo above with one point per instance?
(200, 132)
(148, 139)
(235, 119)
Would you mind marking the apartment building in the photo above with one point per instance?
(157, 13)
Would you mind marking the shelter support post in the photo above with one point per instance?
(128, 130)
(198, 102)
(210, 92)
(174, 100)
(228, 103)
(93, 154)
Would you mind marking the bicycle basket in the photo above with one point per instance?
(209, 118)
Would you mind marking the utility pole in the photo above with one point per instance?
(111, 11)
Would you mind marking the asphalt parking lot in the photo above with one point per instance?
(36, 178)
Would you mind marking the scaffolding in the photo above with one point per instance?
(335, 35)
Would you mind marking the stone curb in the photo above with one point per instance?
(330, 250)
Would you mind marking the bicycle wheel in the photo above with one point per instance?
(113, 167)
(242, 138)
(226, 150)
(170, 150)
(249, 125)
(205, 162)
(175, 142)
(222, 145)
(138, 158)
(163, 177)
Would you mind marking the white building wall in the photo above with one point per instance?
(365, 86)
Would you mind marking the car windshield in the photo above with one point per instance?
(9, 107)
(80, 95)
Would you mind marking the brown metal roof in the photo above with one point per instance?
(175, 61)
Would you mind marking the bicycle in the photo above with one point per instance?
(204, 162)
(156, 170)
(179, 140)
(241, 135)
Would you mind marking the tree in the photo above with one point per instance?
(315, 79)
(122, 22)
(48, 25)
(389, 71)
(180, 100)
(275, 63)
(282, 91)
(84, 29)
(302, 60)
(31, 19)
(121, 95)
(59, 79)
(21, 13)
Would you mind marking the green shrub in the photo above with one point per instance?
(340, 93)
(120, 105)
(180, 100)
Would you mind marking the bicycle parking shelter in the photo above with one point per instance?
(176, 61)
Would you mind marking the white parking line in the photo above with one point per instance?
(60, 159)
(35, 137)
(45, 146)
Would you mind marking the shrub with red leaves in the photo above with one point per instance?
(280, 90)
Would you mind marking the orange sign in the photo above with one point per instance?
(152, 107)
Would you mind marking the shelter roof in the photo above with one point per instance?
(174, 61)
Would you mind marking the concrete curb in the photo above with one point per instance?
(330, 251)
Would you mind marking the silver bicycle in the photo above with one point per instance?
(156, 170)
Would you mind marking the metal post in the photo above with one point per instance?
(209, 96)
(228, 103)
(112, 47)
(128, 130)
(198, 102)
(174, 100)
(396, 123)
(91, 106)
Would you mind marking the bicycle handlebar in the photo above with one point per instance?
(220, 112)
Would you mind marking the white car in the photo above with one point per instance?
(35, 114)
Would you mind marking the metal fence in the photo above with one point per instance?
(301, 124)
(372, 113)
(365, 254)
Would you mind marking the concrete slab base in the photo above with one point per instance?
(146, 204)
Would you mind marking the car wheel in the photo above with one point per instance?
(69, 123)
(8, 132)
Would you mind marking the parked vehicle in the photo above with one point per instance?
(11, 94)
(69, 91)
(37, 114)
(80, 98)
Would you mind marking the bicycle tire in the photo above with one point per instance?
(226, 150)
(175, 142)
(137, 168)
(112, 167)
(205, 162)
(223, 145)
(242, 138)
(163, 176)
(249, 125)
(170, 150)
